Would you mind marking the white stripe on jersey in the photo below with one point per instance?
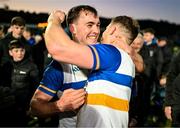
(72, 73)
(109, 88)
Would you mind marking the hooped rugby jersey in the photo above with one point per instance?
(109, 89)
(58, 77)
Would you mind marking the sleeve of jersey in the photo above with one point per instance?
(52, 81)
(106, 57)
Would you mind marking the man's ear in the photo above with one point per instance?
(10, 52)
(72, 28)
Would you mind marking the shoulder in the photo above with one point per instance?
(105, 56)
(53, 66)
(104, 49)
(103, 46)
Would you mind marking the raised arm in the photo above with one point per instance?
(61, 47)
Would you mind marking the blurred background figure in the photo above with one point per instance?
(139, 98)
(172, 95)
(167, 51)
(155, 53)
(29, 36)
(17, 28)
(153, 71)
(38, 48)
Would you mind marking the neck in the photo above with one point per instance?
(77, 41)
(124, 46)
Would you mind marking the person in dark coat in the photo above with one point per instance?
(17, 28)
(172, 95)
(22, 75)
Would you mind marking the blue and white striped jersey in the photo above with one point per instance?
(109, 89)
(58, 77)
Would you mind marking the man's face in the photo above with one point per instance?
(162, 43)
(87, 28)
(17, 31)
(148, 37)
(17, 54)
(27, 35)
(137, 44)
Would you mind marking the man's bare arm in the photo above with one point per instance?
(61, 47)
(70, 100)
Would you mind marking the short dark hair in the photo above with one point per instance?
(163, 38)
(130, 25)
(150, 30)
(18, 21)
(74, 12)
(30, 30)
(16, 44)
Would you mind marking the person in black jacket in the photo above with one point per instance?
(172, 102)
(167, 51)
(22, 76)
(155, 54)
(154, 62)
(17, 28)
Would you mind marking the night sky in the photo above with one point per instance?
(166, 10)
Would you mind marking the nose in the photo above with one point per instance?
(96, 29)
(19, 31)
(19, 53)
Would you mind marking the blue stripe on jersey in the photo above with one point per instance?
(75, 85)
(53, 80)
(121, 79)
(52, 77)
(107, 56)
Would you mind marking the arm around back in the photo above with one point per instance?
(70, 100)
